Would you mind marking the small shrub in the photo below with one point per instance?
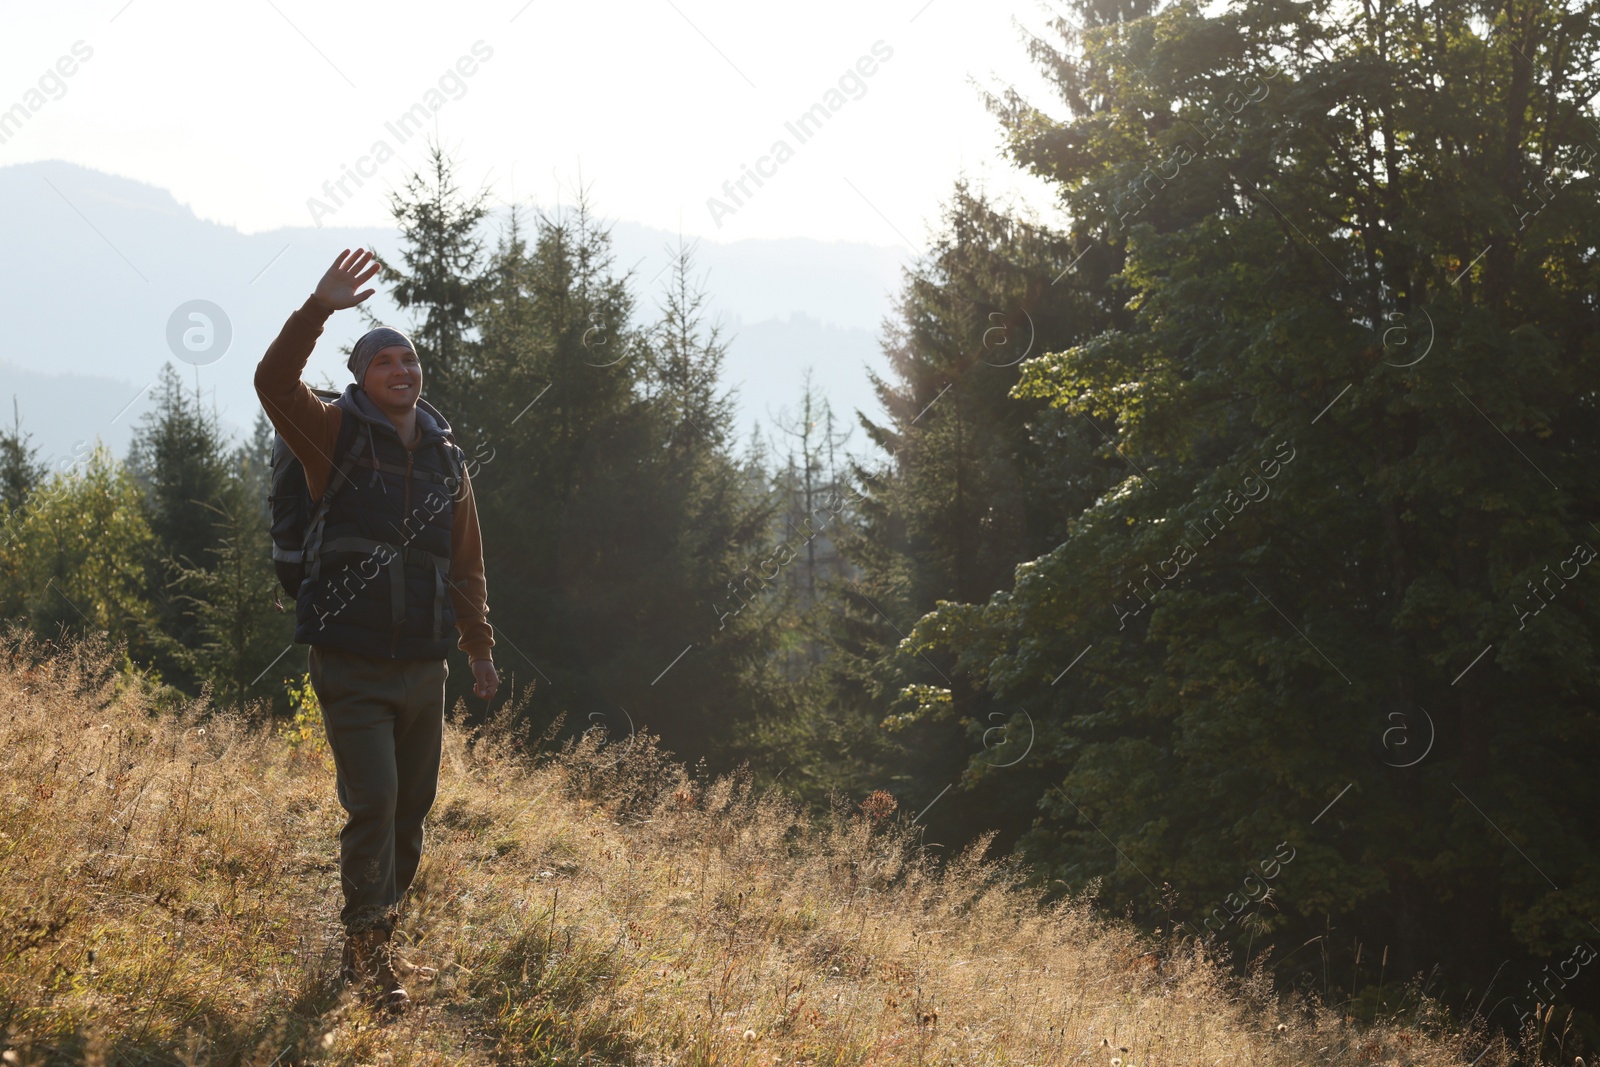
(304, 733)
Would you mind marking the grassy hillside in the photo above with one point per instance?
(168, 894)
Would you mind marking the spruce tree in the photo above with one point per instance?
(814, 490)
(443, 253)
(612, 514)
(1336, 598)
(962, 489)
(243, 623)
(20, 468)
(179, 459)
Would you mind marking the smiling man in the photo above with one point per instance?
(398, 559)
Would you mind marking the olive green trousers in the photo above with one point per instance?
(385, 722)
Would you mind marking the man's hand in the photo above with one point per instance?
(337, 289)
(486, 681)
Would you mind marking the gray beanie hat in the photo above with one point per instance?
(371, 343)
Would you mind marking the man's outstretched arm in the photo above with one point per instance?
(308, 425)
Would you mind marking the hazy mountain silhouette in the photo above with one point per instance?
(97, 264)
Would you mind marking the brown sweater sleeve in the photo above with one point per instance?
(469, 592)
(310, 427)
(307, 425)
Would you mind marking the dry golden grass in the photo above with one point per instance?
(168, 894)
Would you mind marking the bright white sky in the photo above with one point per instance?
(243, 110)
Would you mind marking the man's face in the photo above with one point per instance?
(394, 379)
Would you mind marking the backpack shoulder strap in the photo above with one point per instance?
(454, 461)
(352, 453)
(336, 480)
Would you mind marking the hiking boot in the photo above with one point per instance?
(360, 964)
(391, 994)
(368, 961)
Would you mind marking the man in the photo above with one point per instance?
(372, 605)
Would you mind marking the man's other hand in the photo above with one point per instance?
(485, 681)
(337, 289)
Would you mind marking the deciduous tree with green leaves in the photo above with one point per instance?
(77, 553)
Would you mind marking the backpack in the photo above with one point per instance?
(296, 520)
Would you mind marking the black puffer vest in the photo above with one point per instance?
(378, 568)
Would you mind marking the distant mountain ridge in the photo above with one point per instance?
(99, 263)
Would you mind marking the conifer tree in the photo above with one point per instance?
(683, 371)
(20, 468)
(179, 459)
(963, 489)
(612, 514)
(443, 254)
(239, 634)
(1352, 381)
(242, 623)
(814, 489)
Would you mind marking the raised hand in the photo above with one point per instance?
(337, 289)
